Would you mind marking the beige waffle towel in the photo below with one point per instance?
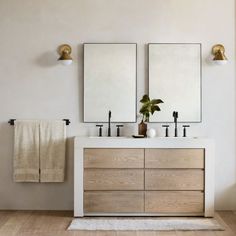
(52, 151)
(26, 151)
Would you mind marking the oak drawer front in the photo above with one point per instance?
(174, 179)
(113, 158)
(174, 158)
(113, 179)
(113, 201)
(174, 201)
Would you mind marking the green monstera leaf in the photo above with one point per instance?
(145, 99)
(149, 107)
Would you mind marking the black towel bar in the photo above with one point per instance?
(12, 121)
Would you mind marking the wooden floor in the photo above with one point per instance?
(37, 223)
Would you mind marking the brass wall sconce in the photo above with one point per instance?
(218, 52)
(64, 51)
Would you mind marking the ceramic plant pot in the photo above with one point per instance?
(142, 129)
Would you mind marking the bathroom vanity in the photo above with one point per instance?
(144, 177)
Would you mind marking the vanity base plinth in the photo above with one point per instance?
(142, 214)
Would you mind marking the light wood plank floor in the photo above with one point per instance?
(54, 223)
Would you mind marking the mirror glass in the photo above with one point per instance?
(175, 77)
(110, 82)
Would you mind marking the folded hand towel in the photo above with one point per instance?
(52, 151)
(26, 151)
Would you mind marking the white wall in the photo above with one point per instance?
(33, 85)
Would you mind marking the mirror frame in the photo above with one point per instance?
(200, 68)
(136, 61)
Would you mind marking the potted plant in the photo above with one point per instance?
(148, 108)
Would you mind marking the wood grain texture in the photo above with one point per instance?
(4, 216)
(174, 158)
(174, 201)
(174, 179)
(42, 221)
(229, 220)
(14, 223)
(114, 201)
(37, 225)
(113, 158)
(113, 179)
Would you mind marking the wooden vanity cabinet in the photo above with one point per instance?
(113, 180)
(174, 181)
(175, 202)
(113, 158)
(144, 181)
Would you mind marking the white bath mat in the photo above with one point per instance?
(147, 223)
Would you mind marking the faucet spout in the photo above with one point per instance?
(109, 124)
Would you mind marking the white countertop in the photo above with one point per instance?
(130, 142)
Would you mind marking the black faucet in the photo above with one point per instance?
(99, 130)
(109, 124)
(167, 129)
(184, 130)
(118, 130)
(175, 115)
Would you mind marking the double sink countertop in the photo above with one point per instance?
(130, 142)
